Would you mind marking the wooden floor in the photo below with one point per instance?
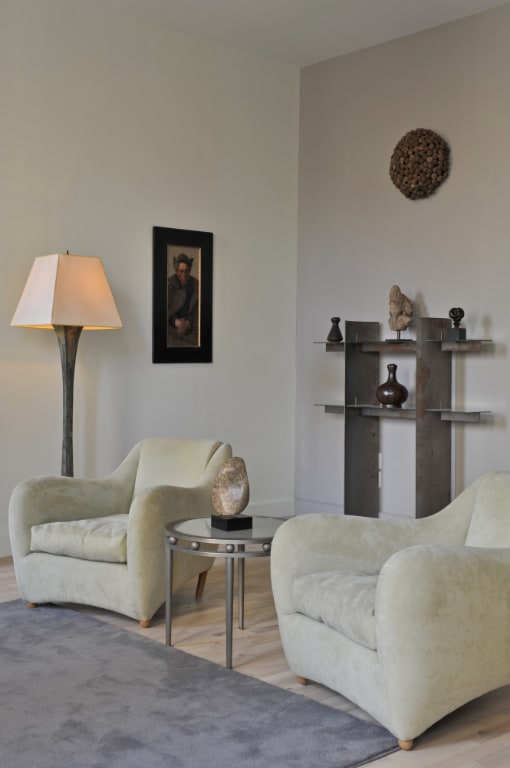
(476, 736)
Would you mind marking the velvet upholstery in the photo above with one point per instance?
(161, 480)
(441, 618)
(98, 538)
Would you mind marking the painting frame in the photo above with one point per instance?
(182, 303)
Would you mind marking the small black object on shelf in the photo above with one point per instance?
(335, 334)
(456, 333)
(232, 523)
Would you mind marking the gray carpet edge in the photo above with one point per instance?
(231, 683)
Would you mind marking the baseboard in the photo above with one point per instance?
(293, 507)
(305, 507)
(278, 508)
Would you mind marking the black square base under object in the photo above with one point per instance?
(454, 334)
(234, 523)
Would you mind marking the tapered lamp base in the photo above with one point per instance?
(68, 337)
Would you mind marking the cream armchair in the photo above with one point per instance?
(102, 542)
(408, 619)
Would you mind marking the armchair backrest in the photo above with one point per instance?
(173, 461)
(490, 521)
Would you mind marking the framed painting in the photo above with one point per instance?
(182, 296)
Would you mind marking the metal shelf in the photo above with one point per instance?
(363, 349)
(332, 346)
(446, 414)
(389, 345)
(462, 416)
(331, 408)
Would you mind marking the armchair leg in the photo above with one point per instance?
(405, 745)
(31, 605)
(145, 623)
(302, 680)
(202, 578)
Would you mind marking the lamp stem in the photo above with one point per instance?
(68, 336)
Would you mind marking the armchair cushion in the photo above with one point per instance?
(100, 538)
(343, 601)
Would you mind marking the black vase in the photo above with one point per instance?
(335, 334)
(391, 394)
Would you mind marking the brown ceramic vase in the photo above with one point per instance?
(391, 394)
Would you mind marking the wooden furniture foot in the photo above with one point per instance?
(145, 623)
(405, 745)
(202, 578)
(31, 605)
(302, 680)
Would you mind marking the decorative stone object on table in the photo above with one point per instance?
(230, 495)
(456, 333)
(401, 310)
(335, 334)
(420, 163)
(391, 394)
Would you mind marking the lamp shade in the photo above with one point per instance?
(63, 289)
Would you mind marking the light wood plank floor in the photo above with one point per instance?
(476, 736)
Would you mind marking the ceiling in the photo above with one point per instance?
(299, 32)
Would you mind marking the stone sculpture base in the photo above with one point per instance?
(454, 334)
(234, 523)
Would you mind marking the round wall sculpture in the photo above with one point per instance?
(420, 163)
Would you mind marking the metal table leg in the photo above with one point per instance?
(240, 586)
(168, 605)
(229, 606)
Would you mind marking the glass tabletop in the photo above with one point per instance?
(200, 529)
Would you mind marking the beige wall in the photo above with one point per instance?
(358, 235)
(109, 128)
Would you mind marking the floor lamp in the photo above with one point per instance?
(69, 294)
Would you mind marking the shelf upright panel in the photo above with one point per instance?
(361, 448)
(433, 435)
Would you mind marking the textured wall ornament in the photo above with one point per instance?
(420, 163)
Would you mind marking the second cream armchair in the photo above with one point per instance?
(409, 619)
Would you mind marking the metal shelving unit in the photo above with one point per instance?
(432, 412)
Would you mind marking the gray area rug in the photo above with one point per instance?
(79, 693)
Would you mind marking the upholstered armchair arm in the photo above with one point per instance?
(442, 614)
(46, 499)
(154, 508)
(325, 542)
(215, 463)
(159, 505)
(318, 542)
(150, 512)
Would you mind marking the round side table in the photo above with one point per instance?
(197, 536)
